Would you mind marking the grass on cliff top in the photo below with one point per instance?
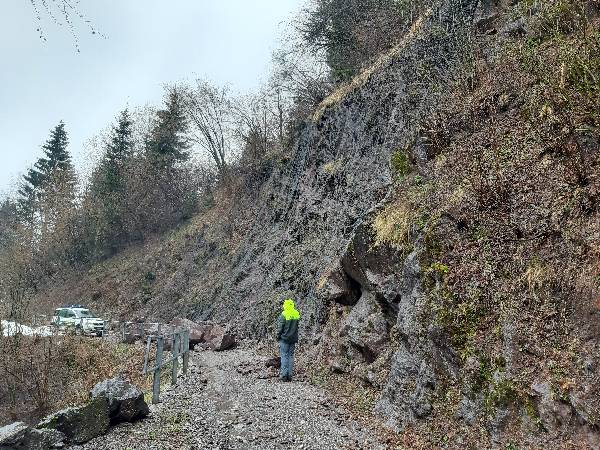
(361, 79)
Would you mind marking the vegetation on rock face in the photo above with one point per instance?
(400, 164)
(511, 244)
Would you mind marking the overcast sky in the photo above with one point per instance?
(147, 43)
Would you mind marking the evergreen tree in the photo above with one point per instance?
(29, 194)
(167, 143)
(8, 221)
(159, 192)
(57, 164)
(118, 151)
(48, 188)
(108, 191)
(58, 177)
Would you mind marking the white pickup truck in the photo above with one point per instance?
(79, 319)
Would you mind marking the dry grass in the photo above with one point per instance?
(44, 374)
(538, 277)
(394, 225)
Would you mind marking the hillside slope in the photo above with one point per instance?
(438, 223)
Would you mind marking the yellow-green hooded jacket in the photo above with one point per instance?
(287, 325)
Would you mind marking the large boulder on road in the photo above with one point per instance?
(80, 424)
(218, 338)
(207, 334)
(196, 330)
(125, 401)
(19, 436)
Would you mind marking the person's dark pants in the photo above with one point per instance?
(286, 352)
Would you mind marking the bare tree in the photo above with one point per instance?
(299, 81)
(254, 123)
(63, 13)
(210, 112)
(262, 120)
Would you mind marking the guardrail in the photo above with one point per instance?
(131, 331)
(180, 347)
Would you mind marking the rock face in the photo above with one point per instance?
(338, 287)
(339, 171)
(366, 327)
(211, 335)
(82, 423)
(125, 401)
(19, 436)
(391, 307)
(412, 377)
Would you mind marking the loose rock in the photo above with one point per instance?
(82, 423)
(19, 436)
(237, 409)
(125, 401)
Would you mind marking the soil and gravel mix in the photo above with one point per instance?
(230, 400)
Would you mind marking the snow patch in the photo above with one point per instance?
(14, 328)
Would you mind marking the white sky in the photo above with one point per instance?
(148, 43)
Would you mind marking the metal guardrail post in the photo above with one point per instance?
(156, 380)
(175, 350)
(186, 350)
(147, 355)
(180, 346)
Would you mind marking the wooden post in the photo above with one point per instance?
(175, 350)
(123, 330)
(186, 351)
(156, 381)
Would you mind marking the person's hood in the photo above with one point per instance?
(289, 310)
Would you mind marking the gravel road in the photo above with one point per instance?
(231, 401)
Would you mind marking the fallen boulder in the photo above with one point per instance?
(218, 338)
(125, 401)
(196, 330)
(80, 424)
(12, 435)
(134, 332)
(211, 335)
(19, 436)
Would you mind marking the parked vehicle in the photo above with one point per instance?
(79, 319)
